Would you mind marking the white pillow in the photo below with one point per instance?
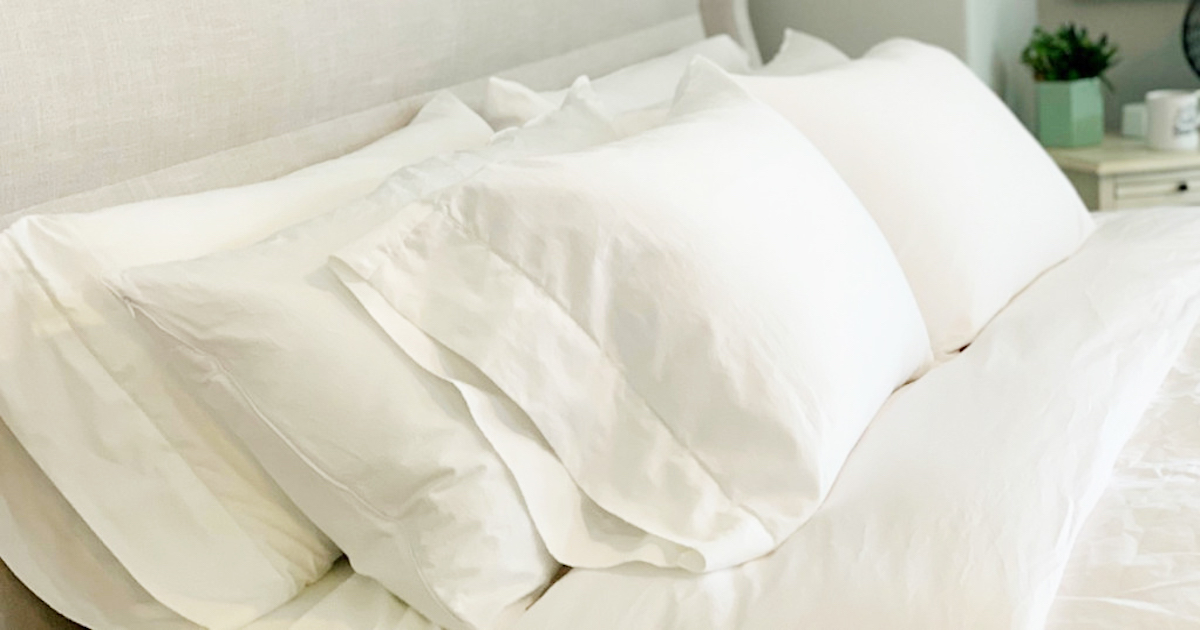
(46, 545)
(381, 454)
(700, 320)
(176, 499)
(802, 53)
(972, 205)
(652, 82)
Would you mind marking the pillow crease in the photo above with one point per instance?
(508, 334)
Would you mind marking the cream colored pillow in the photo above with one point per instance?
(382, 455)
(641, 85)
(971, 203)
(178, 502)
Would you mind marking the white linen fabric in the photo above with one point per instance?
(344, 600)
(1137, 563)
(179, 503)
(382, 455)
(509, 104)
(960, 506)
(50, 549)
(802, 53)
(643, 104)
(972, 205)
(700, 321)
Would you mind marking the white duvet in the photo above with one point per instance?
(982, 507)
(962, 504)
(1048, 477)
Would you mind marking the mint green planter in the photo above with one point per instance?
(1070, 113)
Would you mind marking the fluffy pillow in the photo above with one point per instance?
(82, 388)
(699, 321)
(802, 53)
(652, 82)
(46, 545)
(381, 454)
(972, 205)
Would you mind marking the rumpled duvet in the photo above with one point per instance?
(963, 503)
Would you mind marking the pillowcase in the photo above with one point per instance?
(382, 455)
(972, 205)
(175, 498)
(510, 104)
(699, 321)
(802, 53)
(46, 545)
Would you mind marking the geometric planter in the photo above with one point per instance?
(1070, 113)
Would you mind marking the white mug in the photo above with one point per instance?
(1171, 120)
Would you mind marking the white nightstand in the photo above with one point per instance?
(1123, 173)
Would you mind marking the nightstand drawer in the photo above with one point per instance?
(1179, 187)
(1123, 173)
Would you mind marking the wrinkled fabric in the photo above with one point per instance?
(697, 322)
(962, 504)
(169, 494)
(381, 455)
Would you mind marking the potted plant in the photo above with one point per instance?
(1069, 67)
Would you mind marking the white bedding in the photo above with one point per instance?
(343, 600)
(1046, 478)
(1136, 565)
(962, 504)
(653, 307)
(1126, 303)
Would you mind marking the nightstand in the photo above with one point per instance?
(1123, 173)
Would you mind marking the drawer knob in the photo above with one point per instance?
(1183, 187)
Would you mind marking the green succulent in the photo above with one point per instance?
(1068, 54)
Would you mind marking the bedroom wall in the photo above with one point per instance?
(987, 34)
(1148, 33)
(856, 25)
(997, 31)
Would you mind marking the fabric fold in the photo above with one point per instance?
(962, 504)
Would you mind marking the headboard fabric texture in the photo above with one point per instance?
(113, 102)
(128, 94)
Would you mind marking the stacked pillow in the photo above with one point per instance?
(176, 500)
(651, 306)
(590, 342)
(382, 455)
(652, 82)
(973, 206)
(639, 95)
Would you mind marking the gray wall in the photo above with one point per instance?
(856, 25)
(997, 31)
(987, 34)
(1148, 34)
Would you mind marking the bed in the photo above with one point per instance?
(990, 421)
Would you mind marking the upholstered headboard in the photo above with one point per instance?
(111, 102)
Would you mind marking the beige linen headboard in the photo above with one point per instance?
(109, 102)
(106, 102)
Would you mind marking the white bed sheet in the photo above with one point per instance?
(343, 600)
(1137, 563)
(982, 537)
(1135, 566)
